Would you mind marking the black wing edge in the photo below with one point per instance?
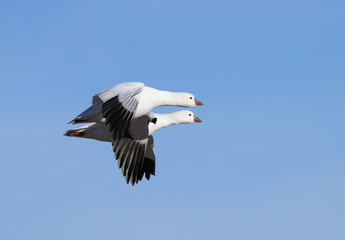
(118, 118)
(149, 168)
(131, 154)
(131, 157)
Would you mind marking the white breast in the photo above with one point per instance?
(149, 98)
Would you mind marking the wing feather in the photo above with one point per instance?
(120, 109)
(130, 151)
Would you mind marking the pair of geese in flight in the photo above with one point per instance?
(122, 115)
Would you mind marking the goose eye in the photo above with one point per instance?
(191, 98)
(190, 114)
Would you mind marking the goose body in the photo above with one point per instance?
(122, 115)
(118, 105)
(138, 142)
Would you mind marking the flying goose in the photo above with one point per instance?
(119, 105)
(135, 151)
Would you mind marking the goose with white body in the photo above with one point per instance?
(137, 143)
(119, 105)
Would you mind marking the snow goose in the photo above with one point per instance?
(135, 152)
(119, 105)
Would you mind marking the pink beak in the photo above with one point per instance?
(198, 103)
(196, 119)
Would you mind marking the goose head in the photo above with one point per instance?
(188, 100)
(185, 117)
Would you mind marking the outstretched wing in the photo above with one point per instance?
(130, 150)
(120, 100)
(119, 107)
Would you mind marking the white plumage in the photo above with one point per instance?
(122, 115)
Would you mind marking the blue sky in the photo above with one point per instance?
(266, 163)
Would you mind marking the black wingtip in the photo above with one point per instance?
(67, 133)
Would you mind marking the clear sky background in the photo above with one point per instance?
(267, 163)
